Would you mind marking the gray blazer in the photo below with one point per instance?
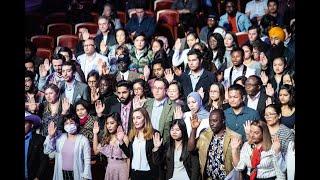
(132, 76)
(80, 91)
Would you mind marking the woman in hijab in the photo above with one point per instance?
(197, 111)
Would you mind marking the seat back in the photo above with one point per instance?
(58, 29)
(242, 37)
(162, 4)
(68, 40)
(168, 16)
(92, 27)
(43, 41)
(44, 53)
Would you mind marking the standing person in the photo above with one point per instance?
(106, 38)
(212, 23)
(287, 102)
(109, 11)
(216, 98)
(285, 135)
(118, 163)
(238, 113)
(72, 150)
(123, 63)
(178, 161)
(214, 146)
(197, 77)
(257, 154)
(218, 49)
(36, 162)
(160, 108)
(238, 68)
(175, 93)
(248, 59)
(233, 20)
(141, 91)
(140, 147)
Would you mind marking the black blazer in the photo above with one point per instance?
(117, 108)
(111, 40)
(261, 103)
(191, 163)
(37, 161)
(206, 79)
(128, 151)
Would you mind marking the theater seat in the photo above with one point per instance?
(168, 16)
(69, 41)
(242, 37)
(92, 27)
(58, 29)
(43, 41)
(44, 53)
(162, 4)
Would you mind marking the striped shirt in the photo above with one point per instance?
(285, 135)
(265, 169)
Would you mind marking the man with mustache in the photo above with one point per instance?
(124, 107)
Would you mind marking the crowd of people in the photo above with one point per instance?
(127, 104)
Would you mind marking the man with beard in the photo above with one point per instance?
(277, 37)
(238, 113)
(124, 107)
(123, 67)
(56, 76)
(233, 20)
(213, 144)
(238, 68)
(212, 23)
(32, 95)
(71, 88)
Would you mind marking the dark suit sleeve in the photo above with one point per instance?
(128, 26)
(195, 166)
(151, 28)
(44, 159)
(86, 93)
(159, 156)
(125, 149)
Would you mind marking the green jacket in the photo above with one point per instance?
(165, 118)
(139, 63)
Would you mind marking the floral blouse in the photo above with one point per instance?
(215, 164)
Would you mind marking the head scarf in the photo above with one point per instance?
(202, 113)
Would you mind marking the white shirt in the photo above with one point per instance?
(179, 171)
(179, 58)
(204, 124)
(236, 73)
(290, 161)
(125, 75)
(91, 63)
(139, 158)
(256, 8)
(69, 90)
(253, 103)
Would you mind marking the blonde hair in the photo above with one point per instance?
(147, 129)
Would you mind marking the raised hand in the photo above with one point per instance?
(105, 69)
(276, 144)
(246, 126)
(269, 90)
(103, 47)
(268, 101)
(177, 44)
(120, 134)
(146, 72)
(201, 92)
(195, 122)
(85, 35)
(235, 142)
(51, 129)
(95, 127)
(65, 105)
(178, 114)
(263, 61)
(169, 75)
(94, 94)
(42, 71)
(220, 76)
(99, 107)
(177, 71)
(156, 140)
(47, 64)
(264, 78)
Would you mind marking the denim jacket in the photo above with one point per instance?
(243, 22)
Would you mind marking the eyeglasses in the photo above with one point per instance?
(91, 82)
(270, 115)
(137, 89)
(87, 45)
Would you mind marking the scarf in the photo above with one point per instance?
(255, 160)
(202, 113)
(84, 120)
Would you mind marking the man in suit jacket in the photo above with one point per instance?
(123, 63)
(256, 96)
(36, 162)
(71, 88)
(197, 77)
(106, 37)
(125, 106)
(160, 108)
